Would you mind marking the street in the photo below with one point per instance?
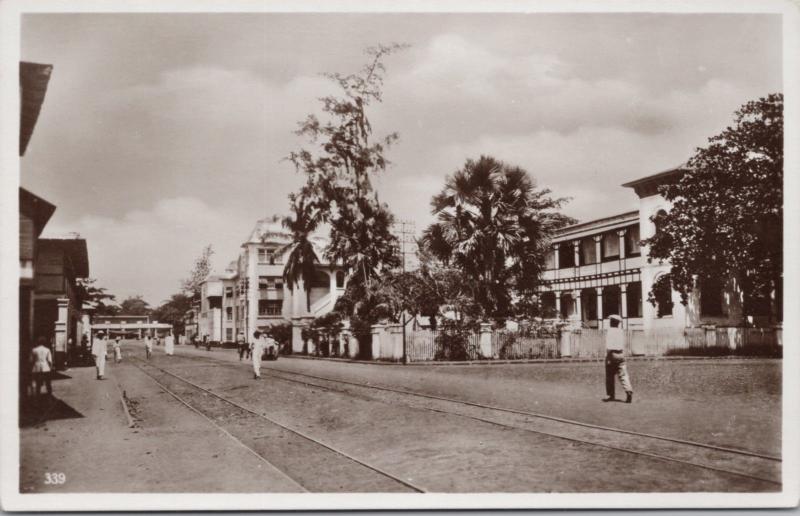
(333, 426)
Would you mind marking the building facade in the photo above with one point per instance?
(251, 293)
(598, 268)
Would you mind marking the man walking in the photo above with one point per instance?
(117, 351)
(99, 351)
(169, 344)
(42, 360)
(148, 346)
(256, 352)
(241, 343)
(615, 360)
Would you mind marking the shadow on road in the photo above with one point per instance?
(40, 409)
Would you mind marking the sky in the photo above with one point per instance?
(162, 133)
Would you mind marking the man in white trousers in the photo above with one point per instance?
(169, 344)
(256, 351)
(99, 351)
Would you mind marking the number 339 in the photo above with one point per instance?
(55, 478)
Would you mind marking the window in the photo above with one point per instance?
(340, 279)
(589, 304)
(658, 220)
(269, 307)
(632, 241)
(228, 291)
(566, 255)
(588, 251)
(278, 285)
(634, 299)
(549, 305)
(611, 301)
(610, 245)
(711, 297)
(229, 313)
(263, 283)
(262, 256)
(661, 296)
(229, 334)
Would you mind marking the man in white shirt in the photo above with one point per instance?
(615, 359)
(99, 351)
(148, 346)
(42, 366)
(256, 352)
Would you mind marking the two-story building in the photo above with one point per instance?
(598, 268)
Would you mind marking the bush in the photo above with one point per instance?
(453, 340)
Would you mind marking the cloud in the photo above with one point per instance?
(147, 252)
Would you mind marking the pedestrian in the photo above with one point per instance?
(241, 343)
(117, 350)
(42, 366)
(207, 342)
(256, 352)
(194, 341)
(148, 346)
(169, 344)
(615, 360)
(99, 351)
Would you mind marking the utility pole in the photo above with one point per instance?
(407, 228)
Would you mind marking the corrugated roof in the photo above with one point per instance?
(33, 81)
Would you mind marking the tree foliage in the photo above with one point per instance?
(339, 168)
(199, 273)
(135, 305)
(173, 311)
(493, 225)
(301, 264)
(726, 219)
(103, 302)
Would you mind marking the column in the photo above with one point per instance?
(599, 307)
(61, 332)
(558, 303)
(377, 333)
(598, 253)
(486, 340)
(576, 296)
(621, 233)
(555, 257)
(623, 300)
(576, 248)
(395, 334)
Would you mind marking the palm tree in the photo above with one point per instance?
(493, 224)
(302, 260)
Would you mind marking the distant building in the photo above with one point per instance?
(252, 294)
(597, 268)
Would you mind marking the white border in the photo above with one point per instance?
(11, 499)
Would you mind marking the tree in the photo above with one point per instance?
(301, 263)
(199, 273)
(173, 311)
(103, 302)
(494, 226)
(135, 305)
(726, 219)
(340, 169)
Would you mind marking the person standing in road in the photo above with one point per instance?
(148, 346)
(207, 342)
(241, 343)
(117, 351)
(42, 366)
(256, 352)
(169, 344)
(99, 351)
(615, 360)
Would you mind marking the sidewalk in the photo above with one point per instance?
(85, 434)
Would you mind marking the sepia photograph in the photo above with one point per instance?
(367, 256)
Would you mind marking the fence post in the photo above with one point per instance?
(395, 333)
(486, 340)
(377, 331)
(563, 341)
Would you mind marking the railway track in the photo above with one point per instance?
(729, 461)
(234, 422)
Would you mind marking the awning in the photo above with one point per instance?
(33, 81)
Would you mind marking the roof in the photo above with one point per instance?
(647, 186)
(269, 228)
(36, 208)
(33, 81)
(595, 226)
(74, 249)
